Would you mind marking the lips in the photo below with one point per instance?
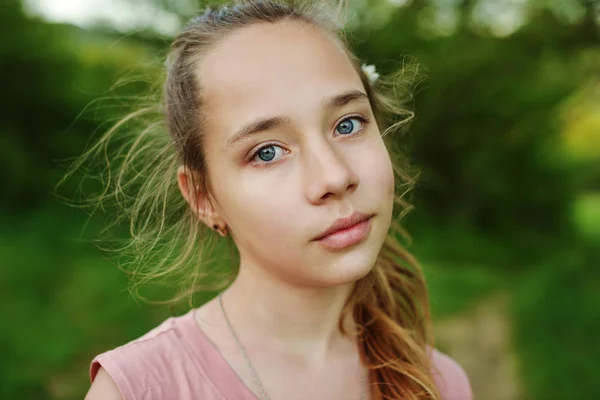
(344, 223)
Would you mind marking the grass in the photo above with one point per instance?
(556, 327)
(453, 288)
(65, 303)
(555, 298)
(556, 313)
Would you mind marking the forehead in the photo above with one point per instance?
(266, 69)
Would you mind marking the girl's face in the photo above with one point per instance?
(310, 152)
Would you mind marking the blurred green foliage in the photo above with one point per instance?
(504, 205)
(486, 136)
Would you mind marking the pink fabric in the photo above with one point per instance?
(176, 360)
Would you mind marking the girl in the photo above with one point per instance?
(278, 142)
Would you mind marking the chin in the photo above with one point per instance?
(344, 273)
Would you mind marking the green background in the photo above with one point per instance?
(507, 212)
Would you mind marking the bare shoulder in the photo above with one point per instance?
(103, 388)
(450, 377)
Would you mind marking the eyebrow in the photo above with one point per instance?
(265, 124)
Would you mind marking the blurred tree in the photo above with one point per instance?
(486, 133)
(38, 102)
(52, 73)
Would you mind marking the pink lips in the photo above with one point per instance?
(346, 232)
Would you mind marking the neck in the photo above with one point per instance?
(297, 319)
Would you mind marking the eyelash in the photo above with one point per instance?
(364, 121)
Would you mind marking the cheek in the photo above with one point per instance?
(267, 229)
(261, 209)
(376, 171)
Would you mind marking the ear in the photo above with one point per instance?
(198, 201)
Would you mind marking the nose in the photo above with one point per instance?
(328, 173)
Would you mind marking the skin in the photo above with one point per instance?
(288, 296)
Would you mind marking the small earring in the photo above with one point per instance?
(222, 233)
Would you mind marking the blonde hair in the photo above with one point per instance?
(390, 304)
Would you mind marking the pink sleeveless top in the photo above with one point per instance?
(176, 360)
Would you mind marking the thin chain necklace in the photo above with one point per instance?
(261, 389)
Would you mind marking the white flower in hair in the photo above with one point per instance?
(369, 70)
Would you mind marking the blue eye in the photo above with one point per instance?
(265, 155)
(347, 126)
